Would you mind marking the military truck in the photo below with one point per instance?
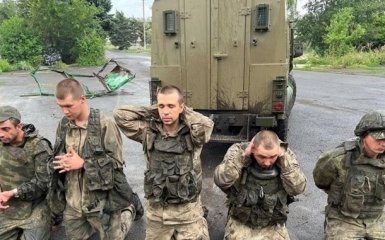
(232, 60)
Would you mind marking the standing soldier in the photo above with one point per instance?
(24, 179)
(172, 136)
(260, 179)
(353, 176)
(89, 184)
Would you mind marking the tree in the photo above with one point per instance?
(342, 32)
(311, 28)
(18, 41)
(103, 17)
(62, 23)
(8, 9)
(125, 31)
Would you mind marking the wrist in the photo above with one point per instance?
(15, 193)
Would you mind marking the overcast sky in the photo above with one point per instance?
(134, 8)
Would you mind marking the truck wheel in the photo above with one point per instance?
(293, 85)
(282, 128)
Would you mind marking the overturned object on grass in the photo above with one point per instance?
(111, 80)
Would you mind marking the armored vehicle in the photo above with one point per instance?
(232, 60)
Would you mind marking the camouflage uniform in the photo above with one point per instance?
(173, 177)
(93, 197)
(25, 167)
(355, 186)
(258, 199)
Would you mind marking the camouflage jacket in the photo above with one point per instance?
(229, 171)
(25, 167)
(135, 123)
(354, 183)
(92, 188)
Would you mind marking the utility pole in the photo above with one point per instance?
(144, 28)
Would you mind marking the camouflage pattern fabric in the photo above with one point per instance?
(108, 226)
(237, 231)
(229, 172)
(134, 123)
(92, 204)
(25, 167)
(337, 229)
(331, 174)
(196, 230)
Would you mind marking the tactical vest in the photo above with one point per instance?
(363, 195)
(103, 179)
(258, 199)
(17, 166)
(171, 177)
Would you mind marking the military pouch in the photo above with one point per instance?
(187, 187)
(242, 214)
(148, 181)
(120, 196)
(99, 173)
(352, 205)
(380, 188)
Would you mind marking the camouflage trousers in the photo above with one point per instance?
(238, 231)
(337, 229)
(114, 226)
(158, 231)
(36, 226)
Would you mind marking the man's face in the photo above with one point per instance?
(9, 132)
(169, 108)
(266, 157)
(72, 108)
(376, 146)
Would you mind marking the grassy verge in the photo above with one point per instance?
(365, 62)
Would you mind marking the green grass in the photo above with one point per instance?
(370, 62)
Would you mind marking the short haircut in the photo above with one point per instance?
(14, 121)
(69, 86)
(267, 139)
(171, 89)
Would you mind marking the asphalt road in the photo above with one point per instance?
(327, 109)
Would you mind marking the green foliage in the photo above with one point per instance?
(91, 49)
(62, 23)
(5, 66)
(8, 9)
(342, 33)
(103, 17)
(311, 28)
(124, 31)
(18, 41)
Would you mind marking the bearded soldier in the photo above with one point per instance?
(24, 179)
(172, 136)
(353, 176)
(260, 179)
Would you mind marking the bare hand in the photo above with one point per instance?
(69, 161)
(250, 148)
(4, 198)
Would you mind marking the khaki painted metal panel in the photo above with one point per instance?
(165, 49)
(228, 46)
(168, 74)
(271, 46)
(261, 85)
(196, 35)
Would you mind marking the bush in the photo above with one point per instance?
(91, 49)
(18, 42)
(5, 66)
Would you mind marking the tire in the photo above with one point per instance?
(293, 85)
(282, 128)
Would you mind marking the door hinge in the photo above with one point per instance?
(245, 11)
(243, 94)
(185, 15)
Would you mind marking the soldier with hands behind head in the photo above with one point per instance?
(353, 176)
(24, 179)
(89, 184)
(260, 179)
(172, 136)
